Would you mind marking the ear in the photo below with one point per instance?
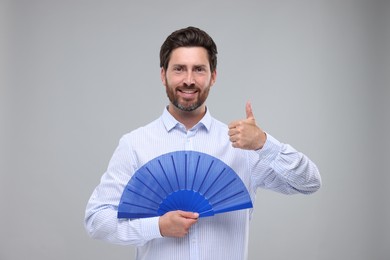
(213, 77)
(163, 78)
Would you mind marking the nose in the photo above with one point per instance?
(189, 79)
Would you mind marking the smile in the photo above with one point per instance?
(187, 91)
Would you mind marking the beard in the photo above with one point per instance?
(184, 105)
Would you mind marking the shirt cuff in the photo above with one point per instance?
(151, 228)
(270, 149)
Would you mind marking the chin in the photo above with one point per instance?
(187, 108)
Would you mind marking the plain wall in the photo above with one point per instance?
(77, 75)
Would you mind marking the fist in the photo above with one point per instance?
(245, 134)
(177, 223)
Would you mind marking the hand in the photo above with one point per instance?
(177, 223)
(245, 134)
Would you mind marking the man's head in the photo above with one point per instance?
(188, 37)
(188, 60)
(188, 70)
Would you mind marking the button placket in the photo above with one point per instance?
(189, 140)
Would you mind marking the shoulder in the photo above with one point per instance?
(217, 125)
(142, 132)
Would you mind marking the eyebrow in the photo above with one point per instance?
(195, 66)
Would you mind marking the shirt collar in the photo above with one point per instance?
(170, 122)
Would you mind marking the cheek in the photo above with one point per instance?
(173, 81)
(206, 82)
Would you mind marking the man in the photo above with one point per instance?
(188, 70)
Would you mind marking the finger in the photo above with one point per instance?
(233, 131)
(234, 124)
(235, 144)
(186, 214)
(249, 112)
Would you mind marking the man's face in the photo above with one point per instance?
(188, 78)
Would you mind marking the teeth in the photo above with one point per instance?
(188, 91)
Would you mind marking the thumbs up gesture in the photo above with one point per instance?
(245, 134)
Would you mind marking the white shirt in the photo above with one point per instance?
(276, 166)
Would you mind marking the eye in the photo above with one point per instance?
(200, 69)
(178, 68)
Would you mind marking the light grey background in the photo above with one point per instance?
(77, 75)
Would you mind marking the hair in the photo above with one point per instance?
(188, 37)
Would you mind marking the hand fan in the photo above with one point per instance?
(183, 180)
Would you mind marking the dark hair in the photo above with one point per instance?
(188, 37)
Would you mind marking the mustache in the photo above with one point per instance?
(188, 87)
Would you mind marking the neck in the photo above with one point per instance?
(187, 118)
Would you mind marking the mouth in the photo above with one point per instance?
(187, 93)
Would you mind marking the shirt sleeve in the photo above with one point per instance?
(281, 168)
(101, 220)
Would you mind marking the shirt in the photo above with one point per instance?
(275, 166)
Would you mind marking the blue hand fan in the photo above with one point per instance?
(183, 180)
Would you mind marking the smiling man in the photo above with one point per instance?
(188, 80)
(188, 61)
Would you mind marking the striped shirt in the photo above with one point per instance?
(276, 166)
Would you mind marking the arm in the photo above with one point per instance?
(101, 220)
(281, 168)
(274, 165)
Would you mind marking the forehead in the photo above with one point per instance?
(189, 56)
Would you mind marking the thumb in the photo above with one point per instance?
(249, 113)
(187, 214)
